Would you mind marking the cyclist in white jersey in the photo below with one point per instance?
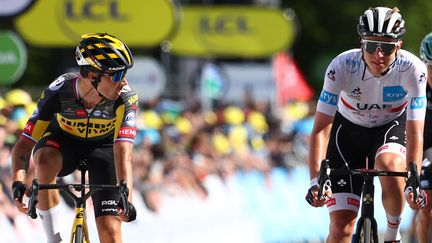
(371, 111)
(424, 222)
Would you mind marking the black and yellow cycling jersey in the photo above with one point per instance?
(60, 107)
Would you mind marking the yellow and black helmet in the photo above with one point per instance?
(103, 52)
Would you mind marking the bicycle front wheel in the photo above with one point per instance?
(79, 234)
(367, 232)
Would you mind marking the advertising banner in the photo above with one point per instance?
(60, 23)
(232, 31)
(13, 57)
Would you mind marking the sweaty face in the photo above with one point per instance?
(379, 53)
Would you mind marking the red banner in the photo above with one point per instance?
(290, 82)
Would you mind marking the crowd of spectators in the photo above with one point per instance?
(180, 148)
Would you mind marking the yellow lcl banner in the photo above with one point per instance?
(60, 23)
(232, 31)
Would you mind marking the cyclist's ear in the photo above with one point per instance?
(92, 76)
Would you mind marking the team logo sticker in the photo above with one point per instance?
(130, 118)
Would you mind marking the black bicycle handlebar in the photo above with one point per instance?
(325, 171)
(34, 191)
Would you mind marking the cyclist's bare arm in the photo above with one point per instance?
(20, 166)
(318, 141)
(414, 151)
(123, 163)
(21, 158)
(414, 147)
(317, 151)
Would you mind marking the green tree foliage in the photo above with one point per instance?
(325, 29)
(328, 27)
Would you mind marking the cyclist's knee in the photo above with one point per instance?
(48, 158)
(109, 225)
(425, 217)
(342, 225)
(390, 162)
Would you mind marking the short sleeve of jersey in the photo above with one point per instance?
(333, 84)
(47, 105)
(415, 84)
(126, 107)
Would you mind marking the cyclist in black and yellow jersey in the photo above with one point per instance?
(86, 115)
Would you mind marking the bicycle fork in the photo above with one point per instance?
(80, 223)
(367, 224)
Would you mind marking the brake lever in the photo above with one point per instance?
(124, 194)
(34, 191)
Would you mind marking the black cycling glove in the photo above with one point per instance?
(309, 196)
(413, 185)
(19, 189)
(131, 216)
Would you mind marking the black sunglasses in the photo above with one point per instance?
(387, 48)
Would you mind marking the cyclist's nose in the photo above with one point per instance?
(379, 53)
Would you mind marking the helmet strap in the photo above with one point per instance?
(96, 82)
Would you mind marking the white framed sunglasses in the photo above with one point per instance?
(387, 48)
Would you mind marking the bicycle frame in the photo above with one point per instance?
(367, 195)
(80, 221)
(86, 190)
(367, 210)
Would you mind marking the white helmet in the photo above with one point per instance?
(383, 22)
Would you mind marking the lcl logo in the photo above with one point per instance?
(224, 24)
(97, 10)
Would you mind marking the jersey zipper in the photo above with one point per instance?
(88, 121)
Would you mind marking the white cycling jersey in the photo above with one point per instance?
(371, 101)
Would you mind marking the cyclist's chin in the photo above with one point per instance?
(111, 96)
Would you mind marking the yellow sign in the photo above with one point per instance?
(232, 31)
(143, 23)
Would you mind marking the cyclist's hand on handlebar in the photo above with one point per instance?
(19, 189)
(312, 195)
(420, 202)
(131, 216)
(416, 197)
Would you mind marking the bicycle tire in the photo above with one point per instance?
(79, 234)
(367, 233)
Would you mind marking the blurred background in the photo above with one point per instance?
(227, 94)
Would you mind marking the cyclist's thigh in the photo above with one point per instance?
(390, 138)
(343, 218)
(348, 146)
(100, 163)
(55, 139)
